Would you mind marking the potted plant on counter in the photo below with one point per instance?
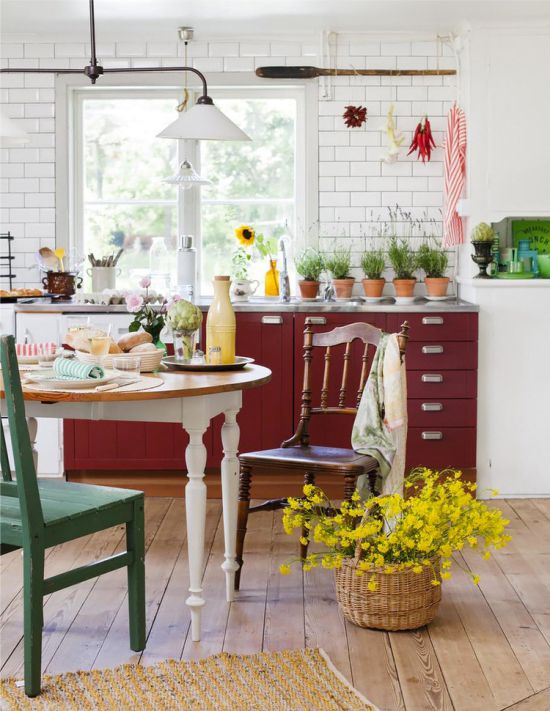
(339, 266)
(404, 261)
(433, 260)
(309, 265)
(373, 264)
(482, 238)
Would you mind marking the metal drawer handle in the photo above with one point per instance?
(432, 435)
(272, 320)
(429, 350)
(431, 407)
(432, 320)
(432, 378)
(316, 320)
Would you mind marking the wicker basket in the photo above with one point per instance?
(403, 601)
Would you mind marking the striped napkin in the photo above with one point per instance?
(73, 369)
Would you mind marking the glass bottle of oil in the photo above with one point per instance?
(220, 322)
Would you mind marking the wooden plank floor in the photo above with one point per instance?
(488, 649)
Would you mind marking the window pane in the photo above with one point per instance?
(146, 232)
(218, 241)
(123, 159)
(263, 170)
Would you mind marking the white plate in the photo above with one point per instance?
(374, 299)
(34, 359)
(438, 298)
(405, 299)
(48, 378)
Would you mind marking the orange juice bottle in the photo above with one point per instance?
(220, 322)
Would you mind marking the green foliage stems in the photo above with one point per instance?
(339, 263)
(310, 264)
(433, 260)
(373, 264)
(403, 258)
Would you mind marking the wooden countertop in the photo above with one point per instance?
(175, 385)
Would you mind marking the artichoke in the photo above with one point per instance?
(182, 315)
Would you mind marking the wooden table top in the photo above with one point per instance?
(175, 385)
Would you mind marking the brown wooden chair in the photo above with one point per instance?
(297, 455)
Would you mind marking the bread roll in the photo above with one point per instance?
(131, 340)
(144, 348)
(79, 338)
(114, 348)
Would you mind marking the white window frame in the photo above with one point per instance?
(71, 90)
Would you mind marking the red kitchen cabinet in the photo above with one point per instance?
(266, 418)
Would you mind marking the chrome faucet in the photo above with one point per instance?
(284, 281)
(328, 292)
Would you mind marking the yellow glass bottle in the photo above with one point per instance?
(220, 322)
(272, 279)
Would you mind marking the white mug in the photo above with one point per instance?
(103, 278)
(241, 289)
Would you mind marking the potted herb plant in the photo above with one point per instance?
(482, 238)
(373, 264)
(391, 552)
(404, 262)
(309, 265)
(433, 261)
(339, 266)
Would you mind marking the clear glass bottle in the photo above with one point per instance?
(221, 326)
(160, 265)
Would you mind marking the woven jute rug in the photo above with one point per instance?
(299, 680)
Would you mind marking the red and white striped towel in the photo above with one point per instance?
(455, 176)
(35, 349)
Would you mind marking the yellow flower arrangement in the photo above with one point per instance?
(396, 533)
(245, 235)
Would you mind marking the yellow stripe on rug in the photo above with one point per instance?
(297, 680)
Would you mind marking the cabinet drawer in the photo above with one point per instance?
(443, 355)
(445, 412)
(441, 447)
(430, 384)
(436, 326)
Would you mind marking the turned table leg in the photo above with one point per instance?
(230, 490)
(195, 509)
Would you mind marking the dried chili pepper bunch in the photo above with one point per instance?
(355, 116)
(422, 141)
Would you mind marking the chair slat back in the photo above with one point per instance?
(4, 459)
(329, 340)
(27, 485)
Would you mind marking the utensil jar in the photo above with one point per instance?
(63, 283)
(103, 278)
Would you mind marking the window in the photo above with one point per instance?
(120, 200)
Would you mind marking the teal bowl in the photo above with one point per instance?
(544, 265)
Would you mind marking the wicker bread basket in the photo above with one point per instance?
(403, 600)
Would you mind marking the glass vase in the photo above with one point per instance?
(184, 343)
(272, 279)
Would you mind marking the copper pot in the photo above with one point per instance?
(63, 283)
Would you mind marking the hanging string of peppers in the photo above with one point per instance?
(422, 141)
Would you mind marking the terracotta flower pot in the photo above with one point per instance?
(404, 287)
(343, 287)
(373, 288)
(308, 289)
(436, 286)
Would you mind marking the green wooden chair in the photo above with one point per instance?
(35, 515)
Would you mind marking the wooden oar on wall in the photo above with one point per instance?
(313, 72)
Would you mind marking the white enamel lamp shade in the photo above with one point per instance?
(204, 122)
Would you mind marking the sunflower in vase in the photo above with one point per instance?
(252, 244)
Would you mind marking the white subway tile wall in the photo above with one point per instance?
(356, 186)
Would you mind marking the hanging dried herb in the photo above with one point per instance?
(355, 116)
(422, 141)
